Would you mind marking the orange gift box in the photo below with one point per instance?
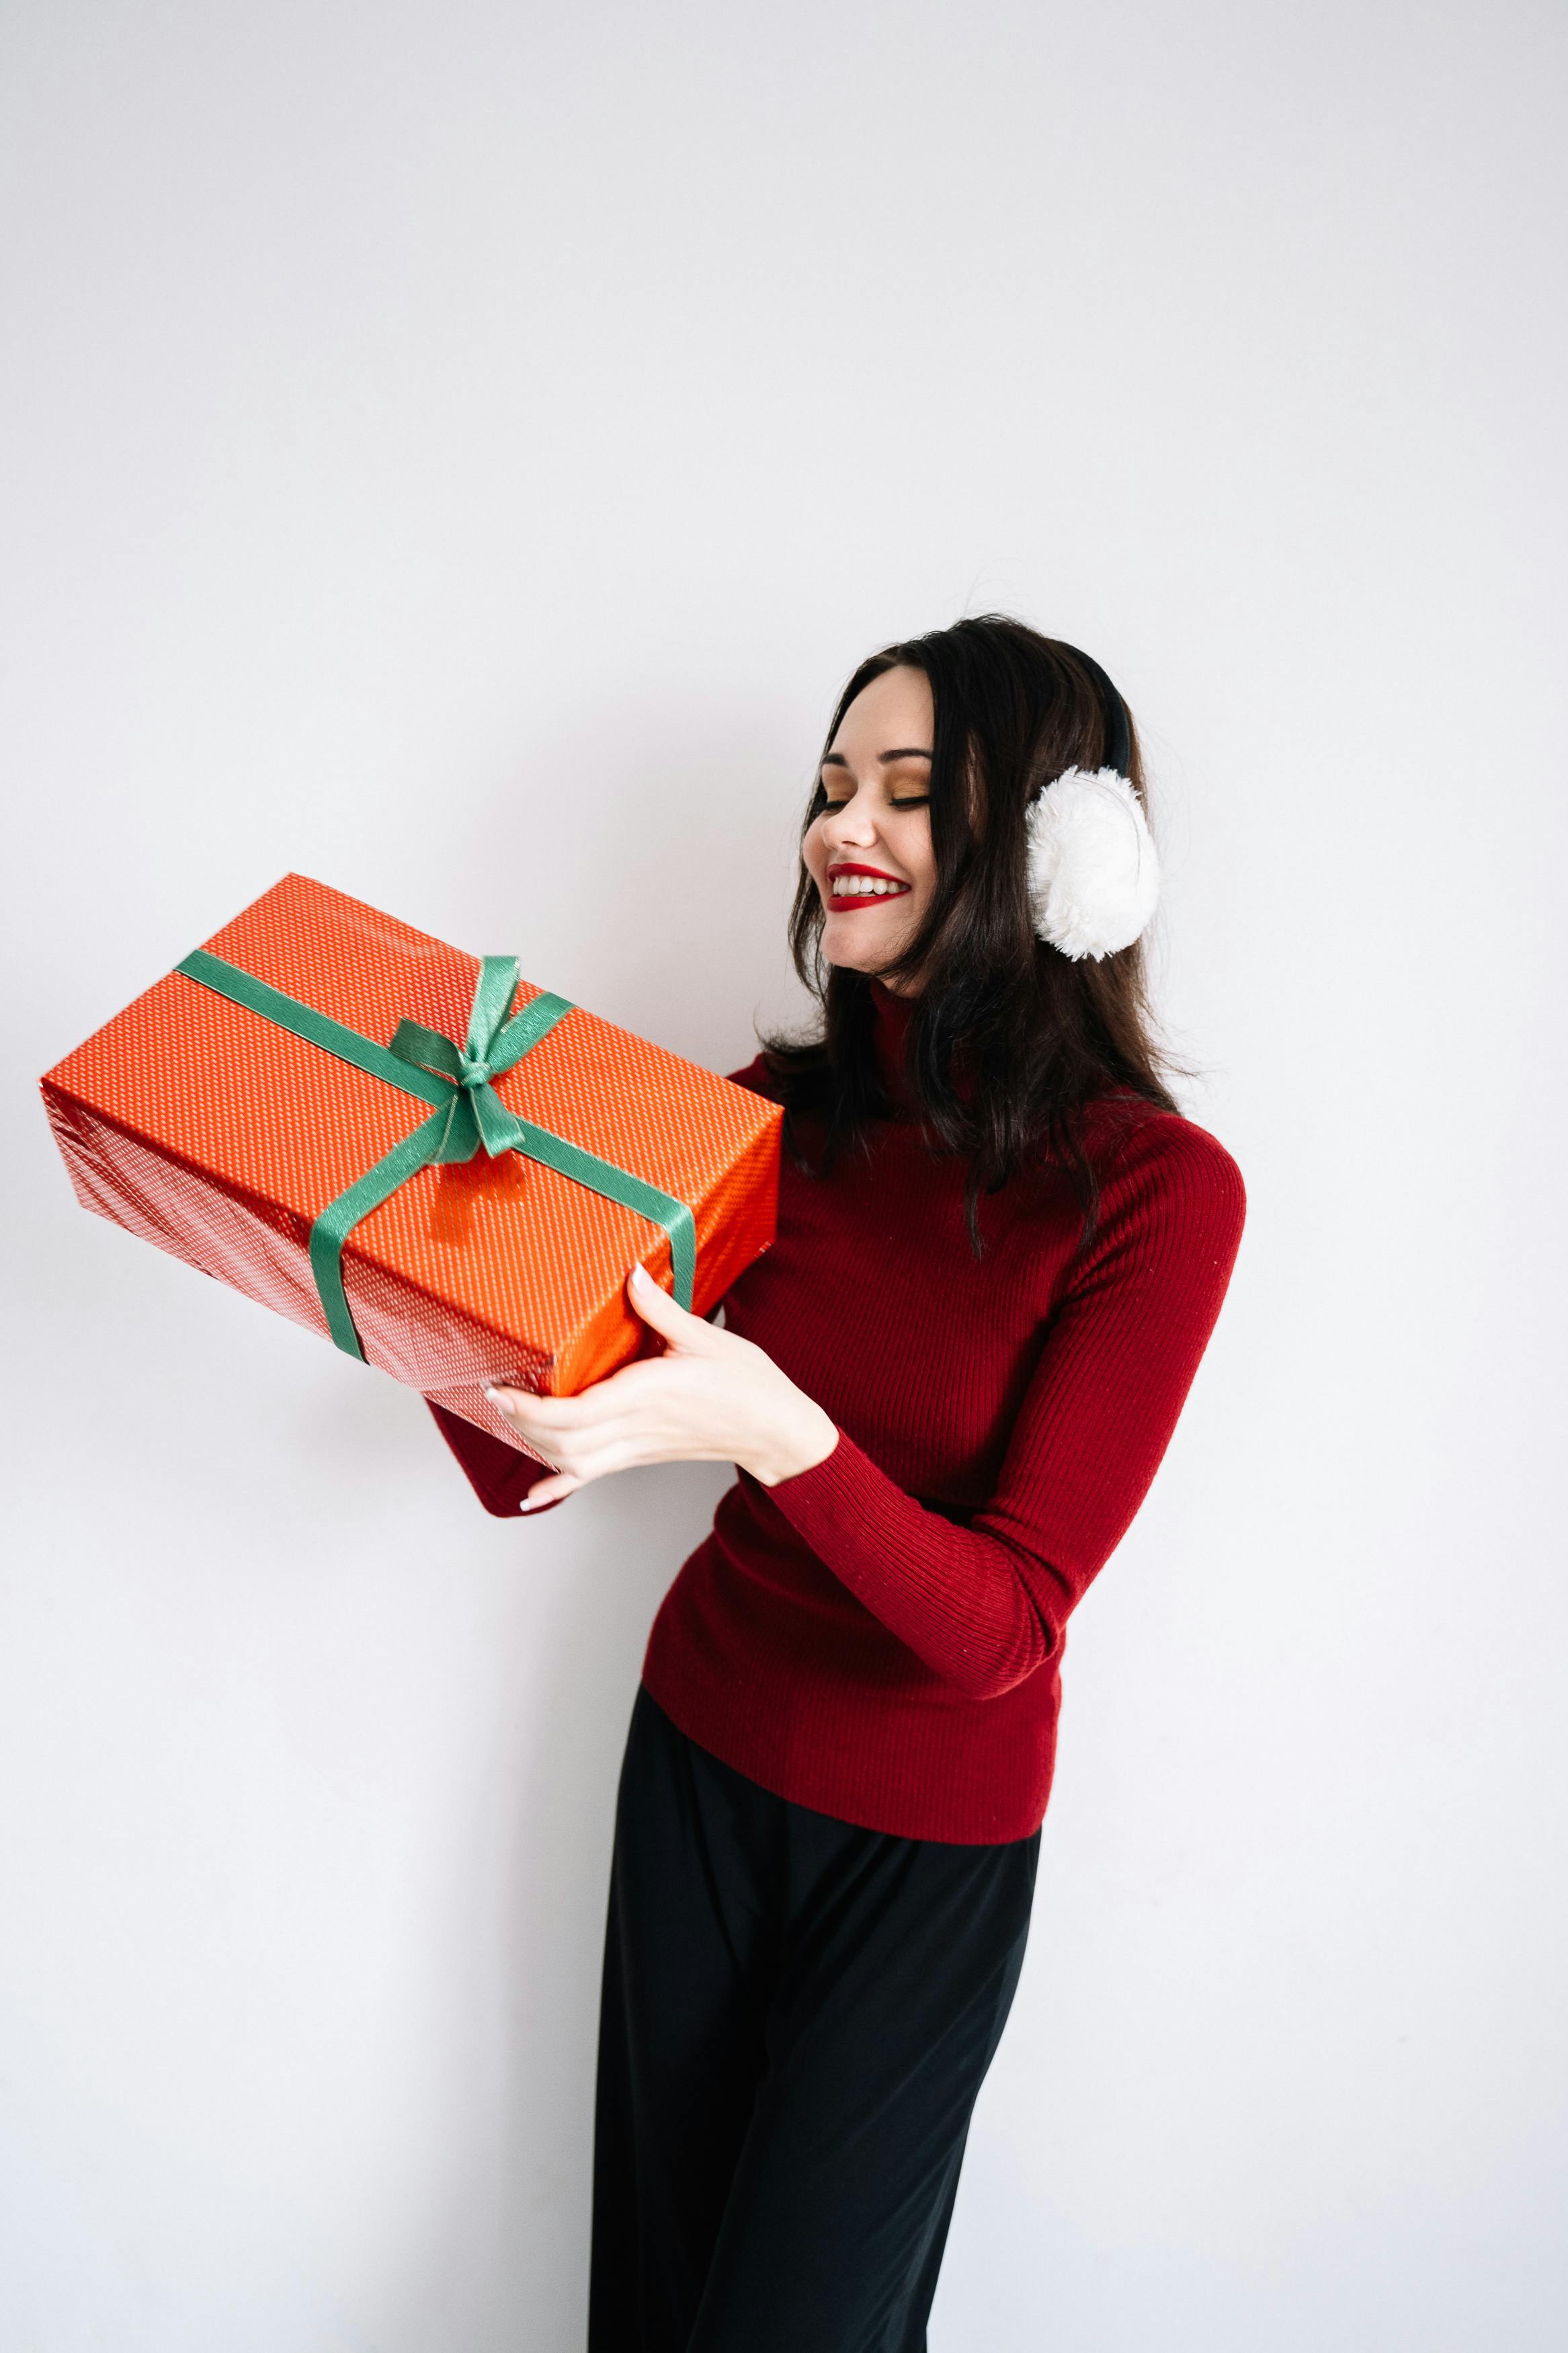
(213, 1129)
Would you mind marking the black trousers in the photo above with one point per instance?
(796, 2017)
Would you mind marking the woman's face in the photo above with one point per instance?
(869, 851)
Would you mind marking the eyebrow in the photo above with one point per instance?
(886, 759)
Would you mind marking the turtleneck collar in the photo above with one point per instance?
(891, 1017)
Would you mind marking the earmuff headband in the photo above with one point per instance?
(1093, 876)
(1119, 734)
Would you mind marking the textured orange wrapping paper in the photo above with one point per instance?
(207, 1129)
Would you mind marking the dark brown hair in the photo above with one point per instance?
(1034, 1034)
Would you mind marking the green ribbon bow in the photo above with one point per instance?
(469, 1115)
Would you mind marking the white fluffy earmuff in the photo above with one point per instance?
(1093, 874)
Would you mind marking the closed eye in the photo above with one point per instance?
(916, 800)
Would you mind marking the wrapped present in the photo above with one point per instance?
(448, 1171)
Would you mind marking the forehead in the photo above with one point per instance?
(895, 710)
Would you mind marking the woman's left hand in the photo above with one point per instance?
(710, 1396)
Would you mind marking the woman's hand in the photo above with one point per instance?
(711, 1397)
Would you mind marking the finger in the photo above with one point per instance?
(549, 1491)
(581, 1469)
(539, 1441)
(656, 1306)
(525, 1410)
(567, 1449)
(585, 1409)
(582, 1453)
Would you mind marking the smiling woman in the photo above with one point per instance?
(840, 1758)
(943, 757)
(868, 848)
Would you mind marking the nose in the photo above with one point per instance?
(849, 828)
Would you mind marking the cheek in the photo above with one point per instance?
(918, 863)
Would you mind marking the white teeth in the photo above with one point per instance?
(863, 886)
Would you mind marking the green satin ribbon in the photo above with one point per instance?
(469, 1115)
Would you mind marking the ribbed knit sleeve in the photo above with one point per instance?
(983, 1604)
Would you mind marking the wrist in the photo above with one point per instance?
(808, 1438)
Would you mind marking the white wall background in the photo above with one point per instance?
(458, 451)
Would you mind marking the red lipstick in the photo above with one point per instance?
(841, 902)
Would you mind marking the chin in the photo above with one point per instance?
(854, 957)
(861, 943)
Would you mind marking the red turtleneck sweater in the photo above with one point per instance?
(880, 1637)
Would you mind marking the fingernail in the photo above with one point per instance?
(642, 1279)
